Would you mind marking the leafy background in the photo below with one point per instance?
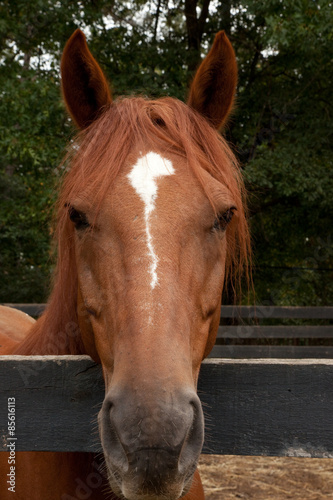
(281, 129)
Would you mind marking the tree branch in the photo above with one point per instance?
(203, 18)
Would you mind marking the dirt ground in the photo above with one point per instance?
(262, 478)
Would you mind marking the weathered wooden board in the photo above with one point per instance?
(57, 399)
(270, 312)
(31, 309)
(275, 332)
(259, 311)
(268, 407)
(258, 407)
(271, 351)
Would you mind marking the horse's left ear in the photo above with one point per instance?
(85, 89)
(213, 88)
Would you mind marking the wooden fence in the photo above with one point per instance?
(252, 407)
(250, 336)
(272, 407)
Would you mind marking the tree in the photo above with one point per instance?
(286, 148)
(281, 128)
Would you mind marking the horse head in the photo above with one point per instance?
(155, 218)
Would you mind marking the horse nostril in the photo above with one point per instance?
(114, 451)
(194, 439)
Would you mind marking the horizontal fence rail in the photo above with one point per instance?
(259, 312)
(275, 332)
(252, 407)
(271, 352)
(31, 309)
(273, 312)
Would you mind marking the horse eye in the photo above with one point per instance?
(223, 220)
(78, 218)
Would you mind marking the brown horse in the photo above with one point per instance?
(145, 239)
(14, 326)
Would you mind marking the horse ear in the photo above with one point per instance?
(213, 88)
(85, 89)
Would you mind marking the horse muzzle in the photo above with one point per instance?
(151, 444)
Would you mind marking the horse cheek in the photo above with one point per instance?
(86, 329)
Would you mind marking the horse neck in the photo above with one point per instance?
(55, 332)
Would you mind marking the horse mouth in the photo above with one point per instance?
(148, 486)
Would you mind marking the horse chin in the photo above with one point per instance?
(128, 489)
(172, 494)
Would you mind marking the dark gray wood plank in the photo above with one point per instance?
(268, 408)
(57, 401)
(268, 312)
(271, 351)
(259, 311)
(275, 332)
(31, 309)
(259, 407)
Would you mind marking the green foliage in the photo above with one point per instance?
(287, 151)
(281, 128)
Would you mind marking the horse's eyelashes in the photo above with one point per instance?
(222, 220)
(78, 218)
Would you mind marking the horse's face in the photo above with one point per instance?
(151, 269)
(151, 263)
(150, 276)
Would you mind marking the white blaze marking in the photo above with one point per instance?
(143, 178)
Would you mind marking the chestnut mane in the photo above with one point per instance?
(95, 159)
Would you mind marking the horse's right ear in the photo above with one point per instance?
(85, 89)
